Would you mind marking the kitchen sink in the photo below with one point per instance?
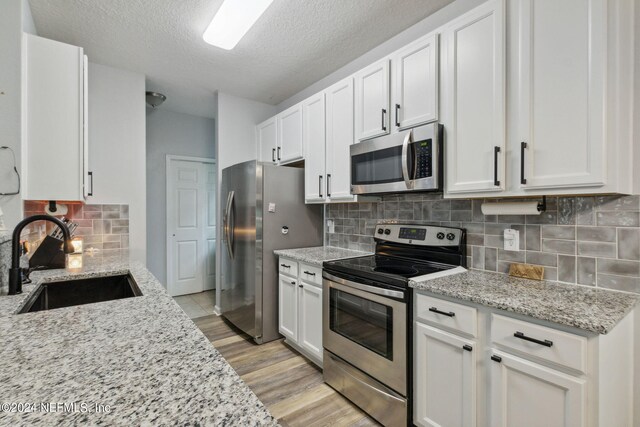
(67, 293)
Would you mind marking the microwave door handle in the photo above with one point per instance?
(405, 161)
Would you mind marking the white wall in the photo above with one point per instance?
(236, 143)
(178, 134)
(423, 27)
(15, 17)
(117, 147)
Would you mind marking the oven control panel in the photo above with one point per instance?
(422, 235)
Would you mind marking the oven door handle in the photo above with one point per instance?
(366, 288)
(405, 161)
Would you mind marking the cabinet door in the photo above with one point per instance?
(339, 99)
(526, 394)
(311, 319)
(267, 135)
(445, 379)
(372, 100)
(416, 83)
(288, 307)
(87, 175)
(562, 57)
(474, 100)
(313, 113)
(54, 137)
(290, 147)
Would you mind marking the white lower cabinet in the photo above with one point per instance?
(288, 303)
(445, 379)
(518, 371)
(310, 317)
(527, 394)
(300, 309)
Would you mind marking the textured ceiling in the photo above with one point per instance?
(294, 44)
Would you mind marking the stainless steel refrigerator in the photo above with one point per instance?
(263, 210)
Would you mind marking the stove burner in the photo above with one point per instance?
(396, 269)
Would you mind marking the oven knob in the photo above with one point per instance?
(380, 231)
(451, 236)
(440, 235)
(387, 231)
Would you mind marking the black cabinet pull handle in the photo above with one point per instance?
(309, 273)
(273, 155)
(397, 115)
(523, 146)
(328, 185)
(522, 336)
(293, 283)
(320, 185)
(467, 347)
(90, 192)
(284, 265)
(279, 153)
(496, 358)
(496, 181)
(444, 313)
(384, 113)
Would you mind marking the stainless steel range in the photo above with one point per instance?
(367, 315)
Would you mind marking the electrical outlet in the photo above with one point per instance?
(511, 240)
(331, 225)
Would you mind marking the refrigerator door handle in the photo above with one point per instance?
(229, 224)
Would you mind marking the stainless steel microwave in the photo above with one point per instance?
(404, 161)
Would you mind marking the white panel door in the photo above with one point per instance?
(191, 226)
(563, 64)
(474, 100)
(416, 83)
(311, 319)
(290, 146)
(313, 113)
(288, 311)
(267, 136)
(526, 394)
(210, 226)
(372, 100)
(445, 379)
(340, 123)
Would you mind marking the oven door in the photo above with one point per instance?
(367, 328)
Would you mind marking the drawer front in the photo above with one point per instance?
(450, 315)
(288, 267)
(540, 342)
(311, 274)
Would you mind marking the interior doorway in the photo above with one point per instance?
(191, 224)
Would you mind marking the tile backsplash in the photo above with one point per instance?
(104, 228)
(587, 240)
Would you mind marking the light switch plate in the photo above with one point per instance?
(272, 207)
(331, 225)
(511, 240)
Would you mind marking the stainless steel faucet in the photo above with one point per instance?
(15, 280)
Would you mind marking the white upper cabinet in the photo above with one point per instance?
(339, 99)
(290, 146)
(54, 142)
(415, 76)
(372, 100)
(474, 100)
(267, 136)
(313, 113)
(561, 84)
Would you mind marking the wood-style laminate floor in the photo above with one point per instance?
(287, 383)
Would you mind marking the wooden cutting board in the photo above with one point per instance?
(526, 271)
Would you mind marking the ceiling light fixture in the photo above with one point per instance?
(233, 20)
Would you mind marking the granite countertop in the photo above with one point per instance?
(591, 309)
(5, 236)
(141, 356)
(318, 254)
